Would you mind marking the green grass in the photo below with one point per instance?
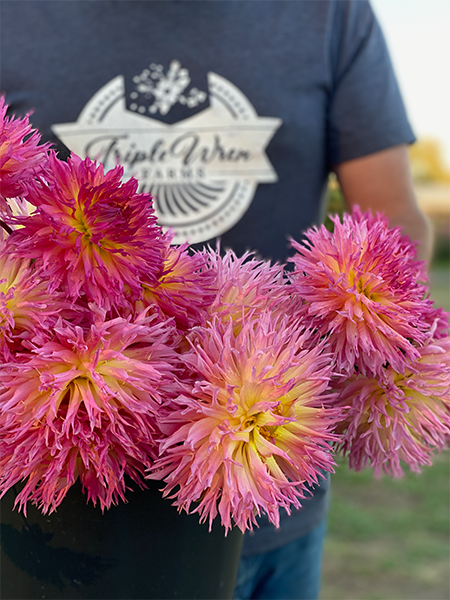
(390, 539)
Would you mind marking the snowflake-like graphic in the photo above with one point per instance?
(165, 89)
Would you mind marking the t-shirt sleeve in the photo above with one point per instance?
(366, 112)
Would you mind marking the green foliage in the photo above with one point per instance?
(441, 255)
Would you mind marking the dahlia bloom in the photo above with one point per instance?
(82, 406)
(438, 325)
(401, 417)
(362, 287)
(16, 207)
(256, 426)
(245, 286)
(92, 233)
(184, 287)
(20, 159)
(26, 306)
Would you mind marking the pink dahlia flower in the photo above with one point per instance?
(94, 234)
(183, 289)
(245, 286)
(438, 324)
(255, 428)
(362, 287)
(401, 417)
(83, 406)
(26, 306)
(20, 159)
(16, 207)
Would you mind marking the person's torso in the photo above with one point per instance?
(218, 108)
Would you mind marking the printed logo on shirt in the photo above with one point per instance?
(163, 95)
(203, 169)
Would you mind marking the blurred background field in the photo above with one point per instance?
(390, 539)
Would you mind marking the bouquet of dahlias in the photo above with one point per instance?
(122, 356)
(364, 292)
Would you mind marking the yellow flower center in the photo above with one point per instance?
(249, 422)
(80, 224)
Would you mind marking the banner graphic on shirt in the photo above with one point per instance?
(202, 171)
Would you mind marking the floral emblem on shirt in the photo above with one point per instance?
(165, 89)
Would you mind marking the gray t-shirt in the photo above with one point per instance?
(231, 114)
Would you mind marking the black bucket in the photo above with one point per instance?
(140, 549)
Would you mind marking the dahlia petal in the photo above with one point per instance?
(185, 286)
(245, 285)
(21, 156)
(26, 305)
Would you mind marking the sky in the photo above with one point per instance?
(418, 36)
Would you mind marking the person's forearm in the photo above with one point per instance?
(382, 182)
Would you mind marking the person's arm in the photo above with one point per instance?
(382, 182)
